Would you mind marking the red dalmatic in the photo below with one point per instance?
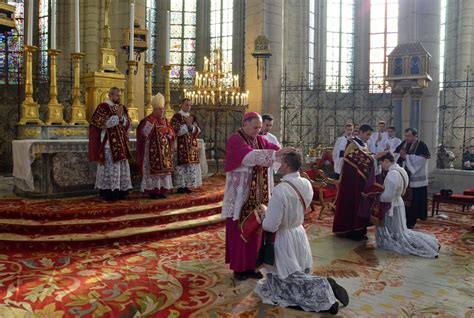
(117, 135)
(160, 150)
(187, 150)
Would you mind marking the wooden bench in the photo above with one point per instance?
(457, 199)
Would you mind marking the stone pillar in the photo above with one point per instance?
(362, 42)
(296, 40)
(416, 96)
(264, 16)
(397, 113)
(419, 21)
(203, 19)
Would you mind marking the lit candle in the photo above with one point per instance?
(196, 80)
(167, 39)
(206, 64)
(53, 25)
(29, 39)
(237, 81)
(132, 31)
(76, 27)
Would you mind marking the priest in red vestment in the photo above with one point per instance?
(154, 150)
(187, 172)
(351, 218)
(108, 145)
(248, 156)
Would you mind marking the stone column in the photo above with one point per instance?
(261, 16)
(296, 40)
(397, 97)
(203, 19)
(419, 21)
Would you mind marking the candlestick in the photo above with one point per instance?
(149, 71)
(78, 110)
(167, 40)
(55, 109)
(29, 39)
(168, 111)
(77, 28)
(29, 108)
(132, 32)
(132, 109)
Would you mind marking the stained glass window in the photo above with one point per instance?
(221, 29)
(151, 27)
(442, 43)
(383, 39)
(340, 45)
(182, 41)
(11, 48)
(43, 24)
(312, 18)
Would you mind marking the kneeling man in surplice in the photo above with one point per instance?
(395, 235)
(154, 151)
(288, 281)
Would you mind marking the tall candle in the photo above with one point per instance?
(132, 31)
(167, 40)
(53, 25)
(76, 28)
(29, 39)
(149, 57)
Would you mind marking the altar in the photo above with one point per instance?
(55, 168)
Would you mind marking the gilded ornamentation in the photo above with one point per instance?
(68, 132)
(29, 108)
(55, 109)
(29, 132)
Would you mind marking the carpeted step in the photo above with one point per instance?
(162, 230)
(89, 207)
(106, 224)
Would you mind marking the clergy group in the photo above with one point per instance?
(167, 151)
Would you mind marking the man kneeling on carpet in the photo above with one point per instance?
(289, 282)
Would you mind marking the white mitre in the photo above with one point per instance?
(158, 101)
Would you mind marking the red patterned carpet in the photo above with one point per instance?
(87, 221)
(187, 277)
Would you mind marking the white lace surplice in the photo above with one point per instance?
(113, 175)
(151, 182)
(395, 235)
(186, 176)
(289, 282)
(237, 181)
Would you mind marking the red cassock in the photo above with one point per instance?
(117, 135)
(160, 151)
(187, 145)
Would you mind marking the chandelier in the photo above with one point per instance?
(216, 85)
